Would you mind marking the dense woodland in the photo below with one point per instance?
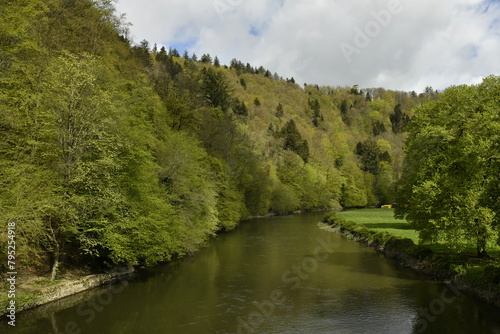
(114, 152)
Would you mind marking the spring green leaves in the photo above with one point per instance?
(452, 168)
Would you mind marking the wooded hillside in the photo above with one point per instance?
(114, 152)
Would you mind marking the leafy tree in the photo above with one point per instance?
(256, 102)
(141, 52)
(216, 62)
(354, 90)
(450, 180)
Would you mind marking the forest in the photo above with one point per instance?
(116, 152)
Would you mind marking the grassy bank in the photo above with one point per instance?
(396, 240)
(381, 220)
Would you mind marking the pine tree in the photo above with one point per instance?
(216, 89)
(279, 110)
(216, 62)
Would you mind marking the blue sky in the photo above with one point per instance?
(402, 45)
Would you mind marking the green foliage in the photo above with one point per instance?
(399, 119)
(113, 152)
(256, 102)
(240, 108)
(451, 169)
(370, 156)
(216, 89)
(293, 140)
(279, 111)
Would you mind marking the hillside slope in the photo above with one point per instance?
(112, 152)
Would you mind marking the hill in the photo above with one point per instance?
(113, 152)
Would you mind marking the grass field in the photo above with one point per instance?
(382, 220)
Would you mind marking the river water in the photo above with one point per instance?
(273, 275)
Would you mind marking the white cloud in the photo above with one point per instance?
(421, 43)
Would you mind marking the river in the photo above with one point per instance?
(273, 275)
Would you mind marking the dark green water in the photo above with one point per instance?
(277, 275)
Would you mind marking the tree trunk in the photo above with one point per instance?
(55, 266)
(481, 247)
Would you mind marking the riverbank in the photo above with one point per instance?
(32, 290)
(477, 277)
(31, 293)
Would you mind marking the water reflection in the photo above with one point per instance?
(279, 275)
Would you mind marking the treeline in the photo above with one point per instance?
(112, 152)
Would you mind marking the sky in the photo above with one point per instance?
(395, 44)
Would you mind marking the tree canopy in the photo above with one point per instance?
(450, 186)
(113, 151)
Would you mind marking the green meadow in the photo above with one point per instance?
(381, 220)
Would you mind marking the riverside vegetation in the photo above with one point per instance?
(113, 152)
(397, 239)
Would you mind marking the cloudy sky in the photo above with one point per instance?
(395, 44)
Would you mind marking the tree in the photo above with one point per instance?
(216, 89)
(256, 102)
(173, 52)
(279, 110)
(344, 111)
(216, 62)
(293, 140)
(240, 108)
(206, 58)
(370, 156)
(316, 108)
(243, 83)
(399, 119)
(450, 182)
(368, 97)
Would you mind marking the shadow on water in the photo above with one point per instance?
(233, 279)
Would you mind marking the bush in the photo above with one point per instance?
(492, 274)
(421, 252)
(399, 245)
